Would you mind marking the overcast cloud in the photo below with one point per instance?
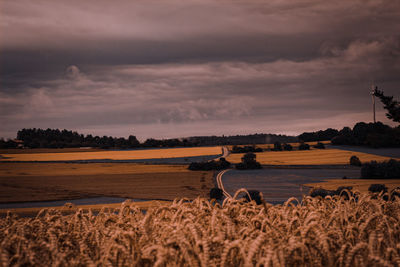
(181, 68)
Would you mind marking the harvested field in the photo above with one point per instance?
(319, 232)
(56, 181)
(115, 155)
(308, 157)
(361, 185)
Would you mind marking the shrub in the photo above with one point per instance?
(377, 188)
(221, 164)
(277, 146)
(304, 146)
(338, 192)
(216, 193)
(383, 170)
(320, 192)
(355, 161)
(287, 147)
(254, 195)
(319, 145)
(248, 162)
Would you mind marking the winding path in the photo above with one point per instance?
(221, 185)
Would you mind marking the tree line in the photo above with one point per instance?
(55, 138)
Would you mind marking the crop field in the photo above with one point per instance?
(48, 150)
(361, 185)
(57, 181)
(115, 155)
(318, 232)
(294, 145)
(308, 157)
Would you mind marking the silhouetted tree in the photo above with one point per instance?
(392, 106)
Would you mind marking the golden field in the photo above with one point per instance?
(115, 155)
(294, 145)
(57, 181)
(360, 185)
(308, 157)
(319, 232)
(47, 150)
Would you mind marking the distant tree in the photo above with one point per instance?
(304, 146)
(392, 106)
(133, 142)
(287, 147)
(277, 146)
(248, 162)
(355, 161)
(319, 145)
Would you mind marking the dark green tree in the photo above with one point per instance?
(392, 106)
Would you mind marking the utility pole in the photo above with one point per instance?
(373, 87)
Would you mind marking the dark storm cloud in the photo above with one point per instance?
(176, 68)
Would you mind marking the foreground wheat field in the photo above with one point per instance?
(116, 155)
(362, 231)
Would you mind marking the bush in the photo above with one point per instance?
(355, 161)
(216, 193)
(248, 162)
(254, 195)
(338, 192)
(321, 192)
(221, 164)
(287, 147)
(319, 145)
(383, 170)
(377, 188)
(277, 146)
(304, 146)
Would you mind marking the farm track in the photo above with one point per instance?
(221, 185)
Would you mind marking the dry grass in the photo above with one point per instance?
(320, 232)
(116, 155)
(55, 181)
(361, 185)
(308, 157)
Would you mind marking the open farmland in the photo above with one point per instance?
(56, 181)
(361, 185)
(308, 157)
(319, 232)
(294, 145)
(115, 155)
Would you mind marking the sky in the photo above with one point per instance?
(178, 68)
